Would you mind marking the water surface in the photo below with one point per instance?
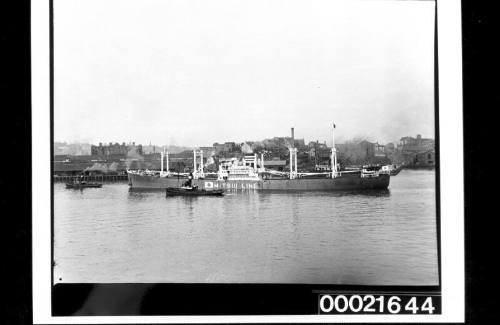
(112, 235)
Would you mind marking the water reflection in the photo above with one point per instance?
(145, 190)
(373, 193)
(189, 202)
(136, 196)
(364, 192)
(367, 192)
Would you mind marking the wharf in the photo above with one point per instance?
(94, 178)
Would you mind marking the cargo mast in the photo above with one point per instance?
(334, 154)
(164, 156)
(198, 169)
(168, 169)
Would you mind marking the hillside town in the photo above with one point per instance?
(116, 158)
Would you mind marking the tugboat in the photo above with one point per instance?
(393, 170)
(192, 191)
(83, 184)
(396, 169)
(189, 190)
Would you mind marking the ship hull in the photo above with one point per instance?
(344, 182)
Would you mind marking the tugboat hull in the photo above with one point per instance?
(172, 191)
(80, 186)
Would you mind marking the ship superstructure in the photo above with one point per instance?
(250, 173)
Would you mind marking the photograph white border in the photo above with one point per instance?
(451, 187)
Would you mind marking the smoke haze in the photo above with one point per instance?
(196, 72)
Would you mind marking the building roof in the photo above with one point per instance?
(426, 151)
(416, 149)
(71, 167)
(81, 166)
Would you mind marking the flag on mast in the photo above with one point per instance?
(334, 125)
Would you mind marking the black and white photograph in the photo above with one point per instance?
(197, 145)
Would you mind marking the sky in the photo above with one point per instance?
(195, 72)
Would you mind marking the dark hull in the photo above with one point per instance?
(182, 192)
(79, 186)
(344, 182)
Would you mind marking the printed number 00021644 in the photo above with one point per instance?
(381, 304)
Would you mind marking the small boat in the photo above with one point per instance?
(396, 169)
(192, 191)
(83, 184)
(392, 170)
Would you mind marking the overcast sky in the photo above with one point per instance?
(195, 72)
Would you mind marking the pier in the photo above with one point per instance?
(94, 178)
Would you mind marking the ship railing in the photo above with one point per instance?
(141, 172)
(243, 178)
(275, 172)
(312, 174)
(173, 174)
(147, 172)
(369, 174)
(353, 171)
(300, 174)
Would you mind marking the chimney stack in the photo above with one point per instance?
(293, 137)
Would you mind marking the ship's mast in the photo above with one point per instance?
(295, 153)
(293, 158)
(201, 162)
(162, 154)
(198, 172)
(167, 154)
(194, 161)
(334, 154)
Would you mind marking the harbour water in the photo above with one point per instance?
(112, 235)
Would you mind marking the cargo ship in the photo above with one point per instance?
(250, 173)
